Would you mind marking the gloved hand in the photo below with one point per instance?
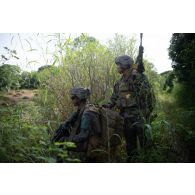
(109, 106)
(60, 132)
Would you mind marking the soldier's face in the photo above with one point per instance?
(120, 69)
(75, 101)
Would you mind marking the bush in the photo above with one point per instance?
(9, 77)
(24, 137)
(29, 80)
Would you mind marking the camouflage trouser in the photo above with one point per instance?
(133, 129)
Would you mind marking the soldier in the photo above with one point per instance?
(129, 96)
(82, 125)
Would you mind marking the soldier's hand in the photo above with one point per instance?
(58, 134)
(107, 106)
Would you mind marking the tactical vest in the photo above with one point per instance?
(126, 94)
(127, 101)
(135, 95)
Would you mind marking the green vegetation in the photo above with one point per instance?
(10, 77)
(26, 127)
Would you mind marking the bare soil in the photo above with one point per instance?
(16, 96)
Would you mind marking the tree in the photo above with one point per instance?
(181, 51)
(29, 80)
(122, 45)
(82, 40)
(169, 77)
(44, 67)
(25, 80)
(10, 77)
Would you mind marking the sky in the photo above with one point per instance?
(155, 48)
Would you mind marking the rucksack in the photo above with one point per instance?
(106, 143)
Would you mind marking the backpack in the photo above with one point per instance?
(103, 146)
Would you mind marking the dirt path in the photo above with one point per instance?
(13, 97)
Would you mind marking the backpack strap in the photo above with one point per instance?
(91, 108)
(77, 124)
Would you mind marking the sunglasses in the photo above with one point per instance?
(73, 97)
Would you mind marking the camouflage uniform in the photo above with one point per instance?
(85, 124)
(80, 126)
(128, 96)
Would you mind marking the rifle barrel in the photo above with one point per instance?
(141, 35)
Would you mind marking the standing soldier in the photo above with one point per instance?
(130, 97)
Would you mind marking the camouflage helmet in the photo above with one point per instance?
(124, 61)
(80, 92)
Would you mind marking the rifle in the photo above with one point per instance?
(65, 130)
(62, 131)
(139, 60)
